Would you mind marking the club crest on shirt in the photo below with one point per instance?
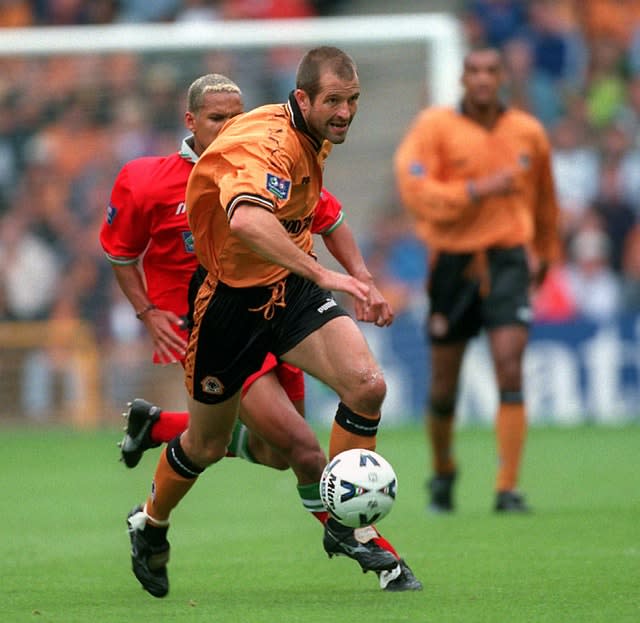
(212, 385)
(111, 214)
(187, 239)
(278, 186)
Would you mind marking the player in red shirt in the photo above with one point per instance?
(146, 221)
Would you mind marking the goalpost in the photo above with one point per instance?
(404, 62)
(439, 32)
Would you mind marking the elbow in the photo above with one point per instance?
(240, 223)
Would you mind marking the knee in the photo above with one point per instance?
(204, 451)
(509, 376)
(508, 368)
(368, 391)
(442, 407)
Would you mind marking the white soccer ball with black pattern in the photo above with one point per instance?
(358, 487)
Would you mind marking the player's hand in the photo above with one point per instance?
(538, 270)
(169, 346)
(376, 309)
(497, 184)
(335, 281)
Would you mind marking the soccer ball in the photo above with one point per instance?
(358, 487)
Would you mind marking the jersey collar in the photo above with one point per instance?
(502, 108)
(298, 122)
(186, 150)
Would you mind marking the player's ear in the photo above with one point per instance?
(189, 121)
(302, 97)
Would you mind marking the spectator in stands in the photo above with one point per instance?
(16, 14)
(593, 284)
(576, 170)
(628, 114)
(605, 89)
(26, 258)
(528, 88)
(8, 154)
(616, 214)
(615, 20)
(144, 11)
(163, 95)
(399, 260)
(553, 301)
(199, 11)
(630, 296)
(131, 134)
(494, 22)
(272, 72)
(70, 12)
(559, 49)
(622, 161)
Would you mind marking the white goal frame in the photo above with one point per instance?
(439, 32)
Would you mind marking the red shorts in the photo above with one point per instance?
(290, 377)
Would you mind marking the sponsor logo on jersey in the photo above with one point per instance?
(296, 225)
(278, 186)
(325, 306)
(187, 239)
(111, 214)
(212, 385)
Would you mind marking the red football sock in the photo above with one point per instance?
(169, 425)
(384, 544)
(321, 516)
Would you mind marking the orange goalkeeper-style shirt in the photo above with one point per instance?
(444, 149)
(265, 157)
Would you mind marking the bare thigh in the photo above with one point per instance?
(338, 355)
(508, 344)
(446, 362)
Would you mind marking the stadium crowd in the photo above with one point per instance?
(67, 125)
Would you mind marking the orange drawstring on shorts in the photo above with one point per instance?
(276, 300)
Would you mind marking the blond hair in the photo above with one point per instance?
(209, 83)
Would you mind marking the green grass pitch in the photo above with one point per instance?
(244, 551)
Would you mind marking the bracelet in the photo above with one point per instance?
(142, 312)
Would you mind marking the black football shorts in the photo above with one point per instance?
(240, 326)
(459, 308)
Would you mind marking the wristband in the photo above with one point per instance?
(142, 312)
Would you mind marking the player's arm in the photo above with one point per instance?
(341, 243)
(546, 214)
(426, 189)
(329, 222)
(261, 231)
(124, 235)
(159, 322)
